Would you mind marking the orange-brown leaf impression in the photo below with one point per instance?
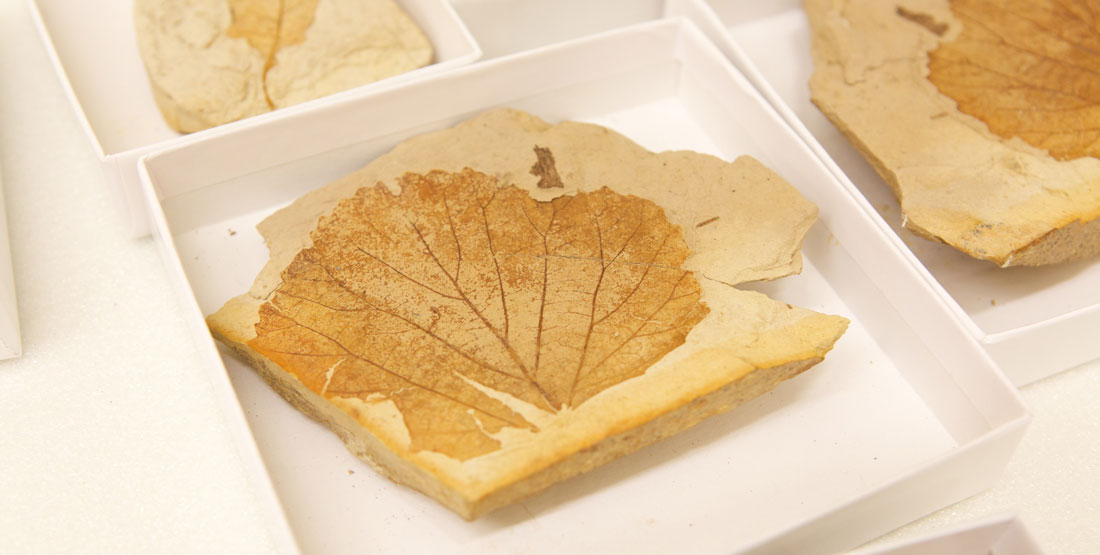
(1028, 69)
(457, 294)
(269, 25)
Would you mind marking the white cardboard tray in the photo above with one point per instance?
(94, 51)
(997, 535)
(1033, 321)
(509, 26)
(905, 416)
(11, 344)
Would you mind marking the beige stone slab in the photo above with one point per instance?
(462, 309)
(211, 62)
(995, 198)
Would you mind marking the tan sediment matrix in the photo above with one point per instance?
(981, 114)
(479, 337)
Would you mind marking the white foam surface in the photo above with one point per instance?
(110, 439)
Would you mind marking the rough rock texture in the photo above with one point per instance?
(215, 61)
(981, 114)
(492, 308)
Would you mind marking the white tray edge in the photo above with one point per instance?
(11, 341)
(270, 508)
(1001, 534)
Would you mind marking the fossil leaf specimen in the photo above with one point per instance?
(983, 115)
(210, 62)
(480, 334)
(456, 285)
(1028, 69)
(269, 26)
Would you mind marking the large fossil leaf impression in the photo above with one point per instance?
(456, 286)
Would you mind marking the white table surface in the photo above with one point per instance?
(110, 439)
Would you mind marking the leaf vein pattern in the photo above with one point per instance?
(1028, 69)
(459, 287)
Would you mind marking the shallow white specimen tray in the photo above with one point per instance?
(997, 535)
(94, 51)
(1033, 321)
(907, 415)
(11, 342)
